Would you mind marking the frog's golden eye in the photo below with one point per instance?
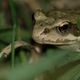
(64, 29)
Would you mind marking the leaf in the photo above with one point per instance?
(35, 69)
(72, 74)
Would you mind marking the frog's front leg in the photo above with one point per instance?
(34, 50)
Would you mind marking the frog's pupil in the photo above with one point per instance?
(64, 28)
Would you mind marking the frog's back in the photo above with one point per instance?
(71, 15)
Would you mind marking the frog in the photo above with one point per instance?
(57, 28)
(60, 29)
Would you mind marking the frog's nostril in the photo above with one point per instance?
(46, 30)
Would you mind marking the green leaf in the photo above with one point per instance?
(72, 74)
(35, 69)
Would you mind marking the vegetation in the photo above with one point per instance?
(52, 64)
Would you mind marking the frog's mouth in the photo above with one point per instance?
(58, 40)
(66, 42)
(60, 43)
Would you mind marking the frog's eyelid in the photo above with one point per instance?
(61, 25)
(61, 22)
(58, 26)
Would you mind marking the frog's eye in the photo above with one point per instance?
(63, 29)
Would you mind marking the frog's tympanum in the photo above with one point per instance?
(59, 32)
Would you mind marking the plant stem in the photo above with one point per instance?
(11, 4)
(78, 22)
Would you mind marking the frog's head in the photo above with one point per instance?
(47, 30)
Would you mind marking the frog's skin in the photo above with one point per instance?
(56, 31)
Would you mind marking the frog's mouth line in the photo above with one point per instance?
(57, 43)
(60, 44)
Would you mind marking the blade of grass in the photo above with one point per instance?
(16, 31)
(24, 58)
(78, 22)
(11, 4)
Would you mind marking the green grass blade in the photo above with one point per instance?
(11, 3)
(78, 22)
